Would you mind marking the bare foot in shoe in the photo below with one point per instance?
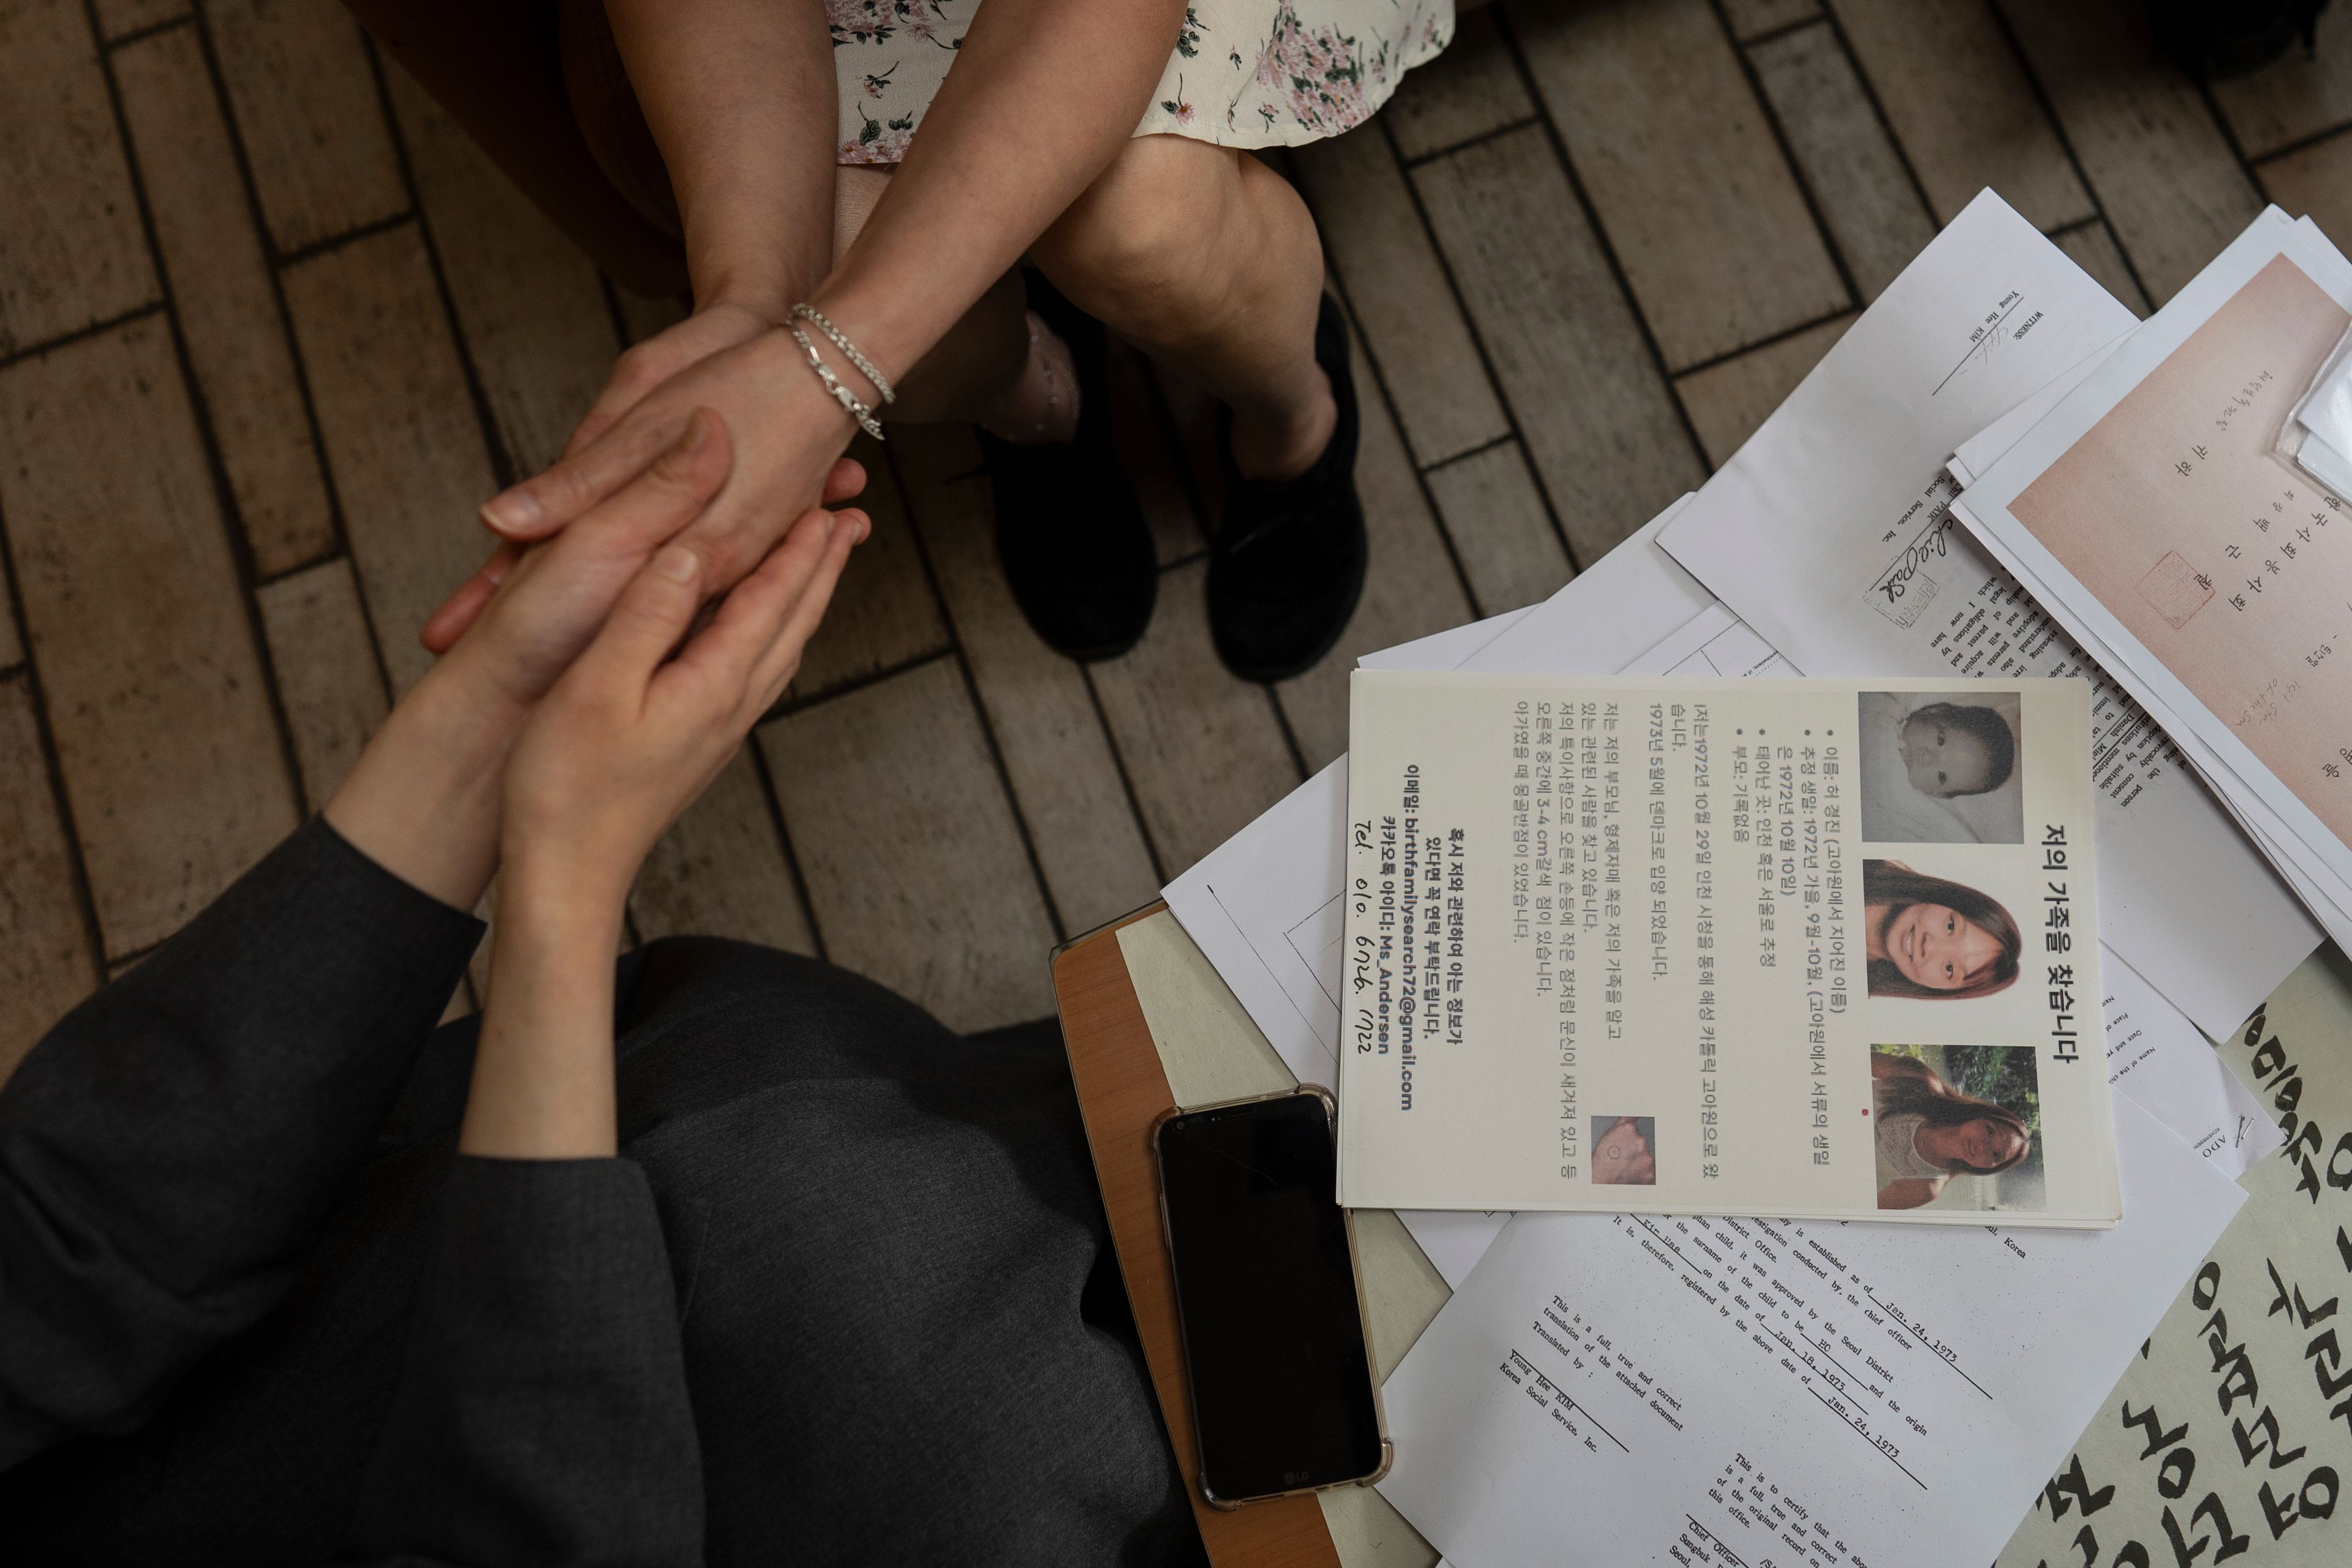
(1042, 403)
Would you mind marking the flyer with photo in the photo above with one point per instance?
(1792, 947)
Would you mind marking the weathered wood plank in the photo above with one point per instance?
(229, 311)
(1203, 750)
(154, 692)
(1858, 183)
(45, 963)
(403, 444)
(531, 305)
(1752, 17)
(1962, 108)
(1065, 778)
(1729, 400)
(305, 101)
(1376, 242)
(2173, 191)
(914, 861)
(2316, 182)
(328, 678)
(2296, 97)
(884, 613)
(71, 252)
(1472, 90)
(1599, 422)
(1683, 171)
(721, 871)
(2094, 250)
(117, 18)
(1504, 538)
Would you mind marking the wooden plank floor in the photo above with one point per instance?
(269, 328)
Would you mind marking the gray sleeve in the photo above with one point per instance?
(169, 1149)
(542, 1415)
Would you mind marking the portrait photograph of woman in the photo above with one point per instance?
(1934, 939)
(1956, 1126)
(1942, 767)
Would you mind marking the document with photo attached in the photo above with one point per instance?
(1832, 533)
(1783, 946)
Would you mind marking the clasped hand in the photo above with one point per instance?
(552, 729)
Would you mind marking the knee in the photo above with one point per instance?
(1146, 247)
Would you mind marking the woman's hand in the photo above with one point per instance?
(622, 745)
(844, 481)
(629, 736)
(763, 388)
(711, 330)
(423, 801)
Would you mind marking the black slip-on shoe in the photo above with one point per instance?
(1069, 531)
(1288, 567)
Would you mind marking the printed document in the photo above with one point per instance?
(1706, 944)
(2153, 508)
(1831, 533)
(1634, 1388)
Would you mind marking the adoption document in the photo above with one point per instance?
(1692, 945)
(1831, 533)
(2153, 506)
(1739, 1392)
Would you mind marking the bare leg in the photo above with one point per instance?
(1207, 259)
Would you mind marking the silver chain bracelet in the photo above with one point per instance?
(808, 312)
(859, 411)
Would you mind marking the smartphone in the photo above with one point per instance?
(1275, 1353)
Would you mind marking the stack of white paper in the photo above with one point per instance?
(1676, 1389)
(1831, 533)
(2319, 435)
(2154, 514)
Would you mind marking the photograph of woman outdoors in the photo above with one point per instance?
(723, 1255)
(1934, 939)
(1927, 1132)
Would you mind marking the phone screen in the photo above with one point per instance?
(1273, 1344)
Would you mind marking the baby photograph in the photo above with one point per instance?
(1941, 767)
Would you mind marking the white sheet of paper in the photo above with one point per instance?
(1265, 905)
(1624, 1389)
(1829, 532)
(1981, 450)
(2158, 1058)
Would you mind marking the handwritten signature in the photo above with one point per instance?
(1930, 544)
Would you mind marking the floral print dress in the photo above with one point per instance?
(1245, 73)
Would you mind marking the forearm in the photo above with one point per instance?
(542, 1086)
(1043, 95)
(740, 97)
(169, 1149)
(423, 800)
